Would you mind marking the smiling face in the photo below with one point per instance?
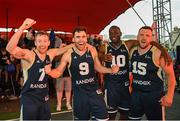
(80, 40)
(144, 37)
(115, 34)
(42, 43)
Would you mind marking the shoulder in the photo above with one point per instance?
(132, 50)
(90, 48)
(29, 56)
(68, 53)
(156, 50)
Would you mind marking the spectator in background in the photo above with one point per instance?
(97, 41)
(3, 41)
(64, 84)
(4, 57)
(52, 38)
(177, 73)
(12, 82)
(29, 39)
(58, 41)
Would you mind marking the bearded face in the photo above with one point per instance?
(144, 38)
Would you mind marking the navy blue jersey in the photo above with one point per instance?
(36, 81)
(121, 58)
(146, 75)
(82, 72)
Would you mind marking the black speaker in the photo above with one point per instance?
(178, 53)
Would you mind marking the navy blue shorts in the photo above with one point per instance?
(118, 98)
(145, 103)
(33, 109)
(89, 105)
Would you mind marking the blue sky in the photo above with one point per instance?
(129, 22)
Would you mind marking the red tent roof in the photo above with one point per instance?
(62, 15)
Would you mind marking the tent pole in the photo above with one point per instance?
(135, 11)
(78, 20)
(7, 19)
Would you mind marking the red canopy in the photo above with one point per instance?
(62, 15)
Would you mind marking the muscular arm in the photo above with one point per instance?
(170, 77)
(12, 47)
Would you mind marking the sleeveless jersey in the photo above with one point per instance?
(82, 72)
(36, 85)
(121, 58)
(146, 75)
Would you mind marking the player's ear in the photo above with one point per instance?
(49, 43)
(73, 39)
(35, 42)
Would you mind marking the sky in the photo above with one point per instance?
(129, 22)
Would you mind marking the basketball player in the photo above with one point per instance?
(82, 61)
(147, 64)
(116, 86)
(34, 95)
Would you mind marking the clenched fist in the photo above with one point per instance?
(115, 69)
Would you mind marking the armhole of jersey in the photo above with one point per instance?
(29, 65)
(90, 51)
(154, 49)
(131, 52)
(25, 69)
(71, 51)
(154, 55)
(49, 56)
(126, 47)
(106, 46)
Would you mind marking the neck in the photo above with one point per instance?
(40, 55)
(80, 52)
(117, 44)
(143, 50)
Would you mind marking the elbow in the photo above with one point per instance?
(9, 49)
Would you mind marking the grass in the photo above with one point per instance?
(14, 112)
(10, 115)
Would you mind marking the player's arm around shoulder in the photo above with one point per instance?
(59, 51)
(102, 51)
(58, 71)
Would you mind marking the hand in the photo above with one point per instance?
(27, 24)
(108, 57)
(114, 69)
(166, 101)
(47, 68)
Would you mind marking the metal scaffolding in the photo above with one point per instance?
(162, 17)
